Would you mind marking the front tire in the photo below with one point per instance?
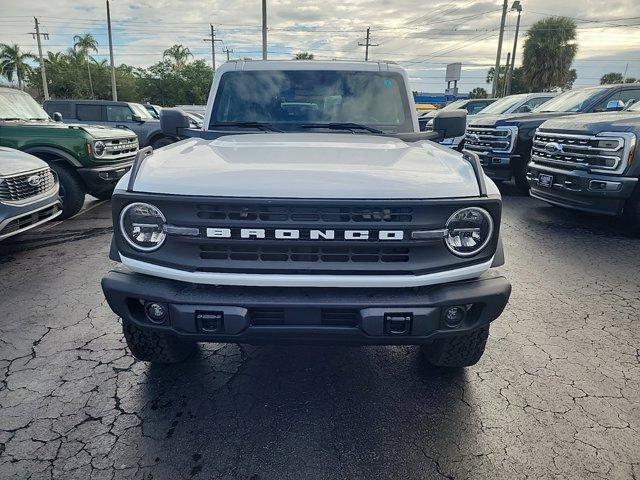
(631, 215)
(459, 351)
(156, 347)
(72, 190)
(520, 177)
(103, 195)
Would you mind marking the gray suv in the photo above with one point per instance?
(133, 116)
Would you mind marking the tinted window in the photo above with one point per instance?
(475, 107)
(88, 112)
(118, 113)
(627, 96)
(292, 98)
(64, 108)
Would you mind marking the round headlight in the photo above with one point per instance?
(142, 226)
(468, 231)
(99, 148)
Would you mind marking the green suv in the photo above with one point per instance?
(86, 158)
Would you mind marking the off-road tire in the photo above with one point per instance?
(520, 177)
(103, 195)
(161, 142)
(457, 352)
(631, 214)
(72, 190)
(156, 347)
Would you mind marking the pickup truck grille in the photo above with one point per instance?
(24, 186)
(483, 140)
(246, 235)
(570, 151)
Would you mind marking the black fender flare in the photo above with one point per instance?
(60, 154)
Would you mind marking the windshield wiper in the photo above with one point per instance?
(343, 126)
(266, 127)
(9, 119)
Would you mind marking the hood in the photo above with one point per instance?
(591, 123)
(95, 131)
(14, 162)
(307, 165)
(515, 118)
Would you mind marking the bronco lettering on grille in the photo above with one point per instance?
(295, 234)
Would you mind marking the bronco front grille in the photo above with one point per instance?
(569, 151)
(24, 186)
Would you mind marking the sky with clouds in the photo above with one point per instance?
(421, 35)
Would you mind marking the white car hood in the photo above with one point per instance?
(14, 162)
(306, 165)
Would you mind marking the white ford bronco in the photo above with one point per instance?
(308, 209)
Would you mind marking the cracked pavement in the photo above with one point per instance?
(557, 394)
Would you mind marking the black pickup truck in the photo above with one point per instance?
(589, 162)
(504, 142)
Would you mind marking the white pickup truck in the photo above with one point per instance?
(309, 209)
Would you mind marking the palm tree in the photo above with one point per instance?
(13, 61)
(548, 53)
(85, 44)
(178, 55)
(304, 56)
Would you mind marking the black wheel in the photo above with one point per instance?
(72, 190)
(103, 195)
(156, 347)
(161, 142)
(631, 215)
(520, 177)
(457, 352)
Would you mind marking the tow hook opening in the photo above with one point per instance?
(210, 321)
(398, 323)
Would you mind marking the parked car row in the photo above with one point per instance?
(575, 151)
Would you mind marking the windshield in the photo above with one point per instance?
(635, 107)
(20, 106)
(454, 105)
(292, 98)
(504, 104)
(139, 109)
(572, 101)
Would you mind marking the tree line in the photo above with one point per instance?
(176, 79)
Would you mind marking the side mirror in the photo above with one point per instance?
(450, 123)
(173, 121)
(137, 118)
(615, 105)
(57, 117)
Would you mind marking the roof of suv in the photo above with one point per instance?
(311, 65)
(92, 102)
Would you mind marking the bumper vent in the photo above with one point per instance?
(328, 317)
(25, 186)
(25, 221)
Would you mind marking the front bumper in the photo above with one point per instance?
(582, 190)
(16, 219)
(497, 166)
(100, 179)
(305, 315)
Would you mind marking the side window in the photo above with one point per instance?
(627, 96)
(474, 108)
(63, 108)
(88, 112)
(119, 113)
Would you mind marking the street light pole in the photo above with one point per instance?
(496, 71)
(518, 7)
(213, 41)
(264, 29)
(114, 91)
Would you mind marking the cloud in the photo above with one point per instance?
(421, 38)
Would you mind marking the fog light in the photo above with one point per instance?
(454, 316)
(156, 312)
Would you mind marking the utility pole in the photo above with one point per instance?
(264, 29)
(212, 38)
(367, 44)
(114, 91)
(496, 72)
(227, 50)
(506, 75)
(518, 7)
(37, 35)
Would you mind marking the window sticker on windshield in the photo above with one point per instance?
(388, 83)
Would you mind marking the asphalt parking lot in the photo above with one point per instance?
(557, 394)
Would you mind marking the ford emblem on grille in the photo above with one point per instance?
(34, 180)
(553, 147)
